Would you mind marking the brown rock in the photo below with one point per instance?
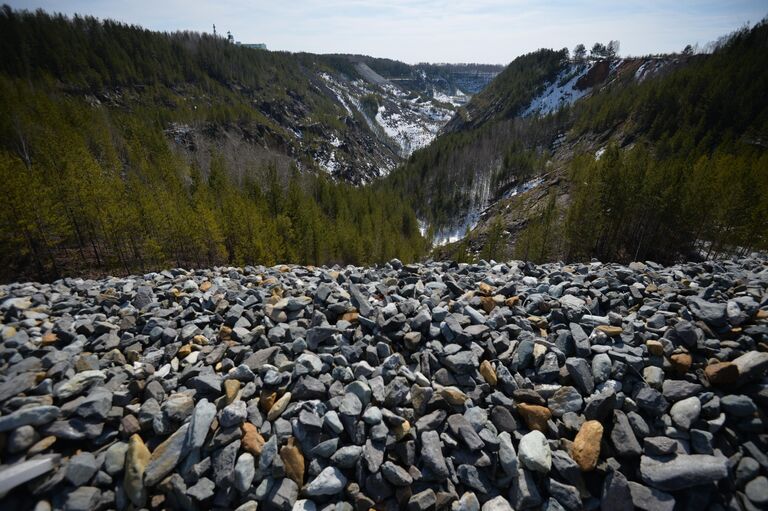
(512, 301)
(136, 460)
(722, 373)
(655, 347)
(453, 395)
(610, 330)
(252, 440)
(293, 461)
(761, 314)
(488, 304)
(585, 450)
(41, 445)
(485, 289)
(681, 362)
(488, 372)
(535, 416)
(267, 399)
(205, 286)
(401, 429)
(184, 351)
(225, 333)
(231, 388)
(49, 338)
(351, 316)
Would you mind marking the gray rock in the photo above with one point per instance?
(200, 424)
(328, 482)
(682, 471)
(21, 439)
(223, 462)
(616, 494)
(432, 455)
(81, 468)
(422, 501)
(565, 399)
(202, 490)
(34, 416)
(283, 495)
(233, 414)
(623, 436)
(650, 499)
(711, 313)
(347, 456)
(84, 498)
(601, 368)
(395, 474)
(165, 457)
(581, 373)
(757, 491)
(534, 452)
(685, 412)
(498, 503)
(738, 405)
(245, 471)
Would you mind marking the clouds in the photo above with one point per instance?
(493, 31)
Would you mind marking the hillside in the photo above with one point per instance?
(658, 157)
(142, 148)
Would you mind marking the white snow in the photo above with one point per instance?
(524, 187)
(599, 153)
(457, 99)
(555, 96)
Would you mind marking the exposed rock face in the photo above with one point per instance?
(422, 387)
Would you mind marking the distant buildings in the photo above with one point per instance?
(255, 46)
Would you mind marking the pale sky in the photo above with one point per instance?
(485, 31)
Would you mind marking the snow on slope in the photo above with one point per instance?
(562, 91)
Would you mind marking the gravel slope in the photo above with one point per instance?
(420, 387)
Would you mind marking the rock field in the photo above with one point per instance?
(437, 386)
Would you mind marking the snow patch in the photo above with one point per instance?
(559, 94)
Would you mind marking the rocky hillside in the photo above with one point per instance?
(323, 113)
(609, 158)
(438, 386)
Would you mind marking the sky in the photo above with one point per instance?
(485, 31)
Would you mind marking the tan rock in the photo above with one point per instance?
(205, 286)
(453, 395)
(488, 304)
(49, 338)
(279, 407)
(401, 429)
(535, 416)
(351, 316)
(485, 289)
(231, 388)
(225, 333)
(136, 460)
(722, 373)
(761, 314)
(267, 399)
(252, 440)
(488, 372)
(200, 340)
(681, 362)
(184, 351)
(42, 445)
(610, 330)
(585, 450)
(293, 461)
(655, 347)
